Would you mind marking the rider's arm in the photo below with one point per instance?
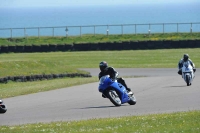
(100, 75)
(192, 64)
(113, 73)
(180, 64)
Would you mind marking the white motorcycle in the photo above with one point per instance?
(187, 73)
(3, 108)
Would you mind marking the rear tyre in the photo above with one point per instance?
(114, 98)
(187, 80)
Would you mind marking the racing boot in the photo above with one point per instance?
(129, 91)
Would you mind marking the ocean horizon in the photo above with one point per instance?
(27, 18)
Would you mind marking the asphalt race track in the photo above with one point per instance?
(156, 90)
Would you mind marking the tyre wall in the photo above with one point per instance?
(125, 45)
(40, 77)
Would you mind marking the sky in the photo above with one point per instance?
(47, 3)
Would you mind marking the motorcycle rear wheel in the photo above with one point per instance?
(132, 100)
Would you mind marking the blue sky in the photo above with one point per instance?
(47, 3)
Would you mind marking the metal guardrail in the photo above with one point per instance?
(100, 29)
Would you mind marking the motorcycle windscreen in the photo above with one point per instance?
(104, 83)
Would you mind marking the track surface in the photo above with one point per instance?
(161, 91)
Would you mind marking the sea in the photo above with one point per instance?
(121, 19)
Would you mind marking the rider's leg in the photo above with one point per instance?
(121, 80)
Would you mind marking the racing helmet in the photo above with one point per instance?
(103, 65)
(185, 57)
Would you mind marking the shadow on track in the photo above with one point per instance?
(98, 107)
(176, 86)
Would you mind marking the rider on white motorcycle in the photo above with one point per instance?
(184, 59)
(106, 70)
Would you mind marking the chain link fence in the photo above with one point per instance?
(100, 29)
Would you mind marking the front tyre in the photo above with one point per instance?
(3, 108)
(114, 98)
(187, 80)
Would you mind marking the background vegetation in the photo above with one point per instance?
(97, 38)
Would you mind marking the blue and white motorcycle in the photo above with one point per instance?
(115, 91)
(188, 73)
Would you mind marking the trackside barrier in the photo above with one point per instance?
(41, 77)
(124, 45)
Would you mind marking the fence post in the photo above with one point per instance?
(177, 27)
(135, 29)
(149, 29)
(107, 31)
(94, 30)
(24, 32)
(38, 32)
(53, 31)
(80, 31)
(163, 28)
(10, 32)
(122, 29)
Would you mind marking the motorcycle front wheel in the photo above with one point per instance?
(114, 98)
(187, 80)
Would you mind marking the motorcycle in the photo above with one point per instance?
(115, 91)
(187, 73)
(3, 108)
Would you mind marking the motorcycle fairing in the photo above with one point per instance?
(105, 82)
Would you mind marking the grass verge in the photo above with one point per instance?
(12, 89)
(14, 64)
(179, 122)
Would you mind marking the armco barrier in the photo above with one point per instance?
(124, 45)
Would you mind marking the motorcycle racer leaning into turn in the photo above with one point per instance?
(106, 70)
(185, 59)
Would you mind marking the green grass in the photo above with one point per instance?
(12, 89)
(13, 64)
(98, 38)
(58, 62)
(179, 122)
